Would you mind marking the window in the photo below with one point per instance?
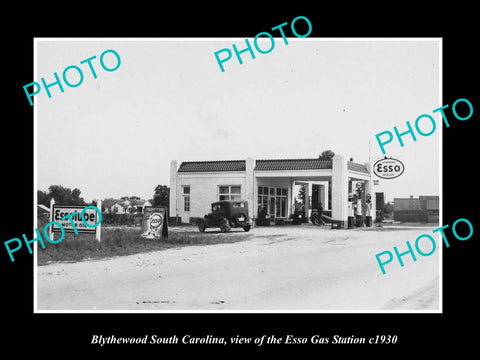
(283, 205)
(229, 192)
(277, 206)
(262, 204)
(186, 198)
(239, 205)
(272, 201)
(218, 207)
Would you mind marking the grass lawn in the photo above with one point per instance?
(119, 241)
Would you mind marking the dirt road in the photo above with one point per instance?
(279, 268)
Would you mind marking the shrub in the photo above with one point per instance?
(121, 219)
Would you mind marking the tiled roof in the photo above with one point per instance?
(265, 165)
(124, 203)
(212, 166)
(293, 164)
(357, 167)
(109, 202)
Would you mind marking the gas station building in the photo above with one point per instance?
(269, 185)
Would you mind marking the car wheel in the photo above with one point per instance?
(201, 226)
(316, 220)
(246, 228)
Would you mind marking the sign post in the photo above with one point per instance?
(50, 231)
(98, 229)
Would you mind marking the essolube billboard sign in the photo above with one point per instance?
(388, 168)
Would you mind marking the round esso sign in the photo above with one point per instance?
(388, 168)
(155, 221)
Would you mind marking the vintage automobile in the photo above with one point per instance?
(318, 219)
(227, 214)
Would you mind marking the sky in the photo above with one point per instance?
(115, 135)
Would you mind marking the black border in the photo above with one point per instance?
(63, 334)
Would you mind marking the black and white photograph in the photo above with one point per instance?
(231, 181)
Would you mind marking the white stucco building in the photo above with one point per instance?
(268, 185)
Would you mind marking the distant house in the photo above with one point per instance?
(107, 205)
(121, 207)
(128, 206)
(421, 209)
(42, 209)
(147, 203)
(43, 213)
(138, 205)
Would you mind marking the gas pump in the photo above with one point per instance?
(368, 210)
(351, 217)
(358, 206)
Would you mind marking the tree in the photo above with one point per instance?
(301, 195)
(62, 195)
(161, 197)
(76, 196)
(326, 155)
(130, 198)
(297, 205)
(43, 198)
(388, 209)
